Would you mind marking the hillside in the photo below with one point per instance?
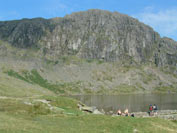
(94, 51)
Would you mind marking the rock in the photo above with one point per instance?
(110, 113)
(135, 130)
(102, 111)
(28, 103)
(83, 107)
(93, 34)
(43, 101)
(97, 112)
(88, 109)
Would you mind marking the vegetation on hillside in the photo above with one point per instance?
(135, 82)
(45, 112)
(33, 77)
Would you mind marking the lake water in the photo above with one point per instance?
(134, 102)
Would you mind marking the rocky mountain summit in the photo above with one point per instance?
(92, 34)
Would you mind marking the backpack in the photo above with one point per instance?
(150, 108)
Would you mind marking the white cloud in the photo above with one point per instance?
(164, 22)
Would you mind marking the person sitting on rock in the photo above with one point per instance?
(126, 112)
(119, 112)
(132, 115)
(150, 109)
(155, 108)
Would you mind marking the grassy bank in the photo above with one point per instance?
(34, 77)
(17, 116)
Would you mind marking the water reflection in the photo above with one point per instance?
(134, 103)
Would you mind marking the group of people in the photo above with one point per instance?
(152, 109)
(125, 113)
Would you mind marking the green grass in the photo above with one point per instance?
(165, 89)
(15, 106)
(61, 105)
(124, 88)
(33, 77)
(175, 121)
(63, 102)
(16, 75)
(18, 117)
(13, 87)
(88, 124)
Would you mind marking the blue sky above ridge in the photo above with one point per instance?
(161, 15)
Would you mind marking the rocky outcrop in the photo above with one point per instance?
(166, 54)
(92, 34)
(97, 34)
(24, 33)
(86, 108)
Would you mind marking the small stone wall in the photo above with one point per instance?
(165, 114)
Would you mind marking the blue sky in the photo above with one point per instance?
(159, 14)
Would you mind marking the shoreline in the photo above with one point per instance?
(117, 94)
(165, 114)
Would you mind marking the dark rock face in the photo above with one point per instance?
(167, 52)
(93, 34)
(23, 33)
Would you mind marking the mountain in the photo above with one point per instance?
(93, 34)
(109, 37)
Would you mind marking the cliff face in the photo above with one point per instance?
(166, 53)
(100, 34)
(23, 33)
(93, 34)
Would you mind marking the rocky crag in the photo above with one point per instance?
(93, 35)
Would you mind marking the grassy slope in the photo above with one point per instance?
(131, 80)
(80, 124)
(33, 77)
(15, 116)
(10, 86)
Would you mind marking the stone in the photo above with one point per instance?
(97, 112)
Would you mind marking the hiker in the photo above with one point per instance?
(132, 115)
(126, 112)
(150, 109)
(119, 112)
(155, 108)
